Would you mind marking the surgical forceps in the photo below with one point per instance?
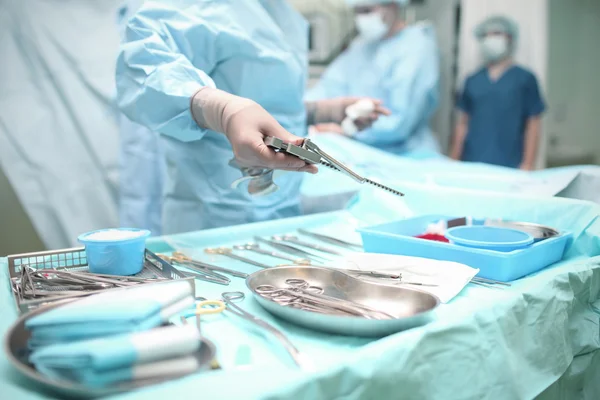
(292, 250)
(397, 278)
(312, 154)
(203, 274)
(294, 240)
(488, 282)
(331, 240)
(229, 253)
(257, 249)
(300, 293)
(43, 283)
(192, 264)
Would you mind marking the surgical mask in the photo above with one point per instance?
(371, 26)
(494, 48)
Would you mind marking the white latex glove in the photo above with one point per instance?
(245, 124)
(354, 113)
(335, 110)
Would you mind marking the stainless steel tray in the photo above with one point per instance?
(15, 347)
(411, 307)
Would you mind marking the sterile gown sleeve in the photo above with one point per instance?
(533, 98)
(412, 88)
(155, 77)
(333, 83)
(464, 102)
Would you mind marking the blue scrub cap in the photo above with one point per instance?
(498, 23)
(357, 3)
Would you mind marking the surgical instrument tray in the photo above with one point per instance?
(74, 262)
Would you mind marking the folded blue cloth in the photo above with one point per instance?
(105, 361)
(137, 308)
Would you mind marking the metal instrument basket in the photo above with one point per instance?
(75, 260)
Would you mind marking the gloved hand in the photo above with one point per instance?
(334, 110)
(246, 124)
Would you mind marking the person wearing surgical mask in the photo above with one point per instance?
(500, 107)
(396, 62)
(215, 78)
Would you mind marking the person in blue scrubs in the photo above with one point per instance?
(500, 107)
(142, 167)
(215, 78)
(392, 61)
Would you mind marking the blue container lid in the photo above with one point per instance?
(113, 236)
(489, 237)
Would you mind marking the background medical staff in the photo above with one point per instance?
(396, 63)
(215, 78)
(141, 162)
(500, 107)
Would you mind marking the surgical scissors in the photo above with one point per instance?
(227, 302)
(202, 307)
(229, 298)
(300, 291)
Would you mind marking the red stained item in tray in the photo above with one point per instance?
(434, 237)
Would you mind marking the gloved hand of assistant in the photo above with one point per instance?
(246, 124)
(335, 110)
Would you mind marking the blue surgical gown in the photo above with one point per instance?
(141, 162)
(403, 72)
(253, 48)
(498, 113)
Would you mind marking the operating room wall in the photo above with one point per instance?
(573, 84)
(17, 235)
(58, 134)
(442, 14)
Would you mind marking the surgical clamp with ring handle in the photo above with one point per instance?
(257, 249)
(331, 240)
(229, 298)
(199, 273)
(312, 154)
(229, 253)
(300, 292)
(286, 248)
(294, 240)
(190, 263)
(227, 303)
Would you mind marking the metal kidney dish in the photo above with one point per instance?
(410, 307)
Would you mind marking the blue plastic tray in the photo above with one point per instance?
(398, 238)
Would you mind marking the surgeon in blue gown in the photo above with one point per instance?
(141, 162)
(395, 62)
(500, 107)
(214, 78)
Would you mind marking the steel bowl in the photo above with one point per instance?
(539, 232)
(410, 307)
(15, 347)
